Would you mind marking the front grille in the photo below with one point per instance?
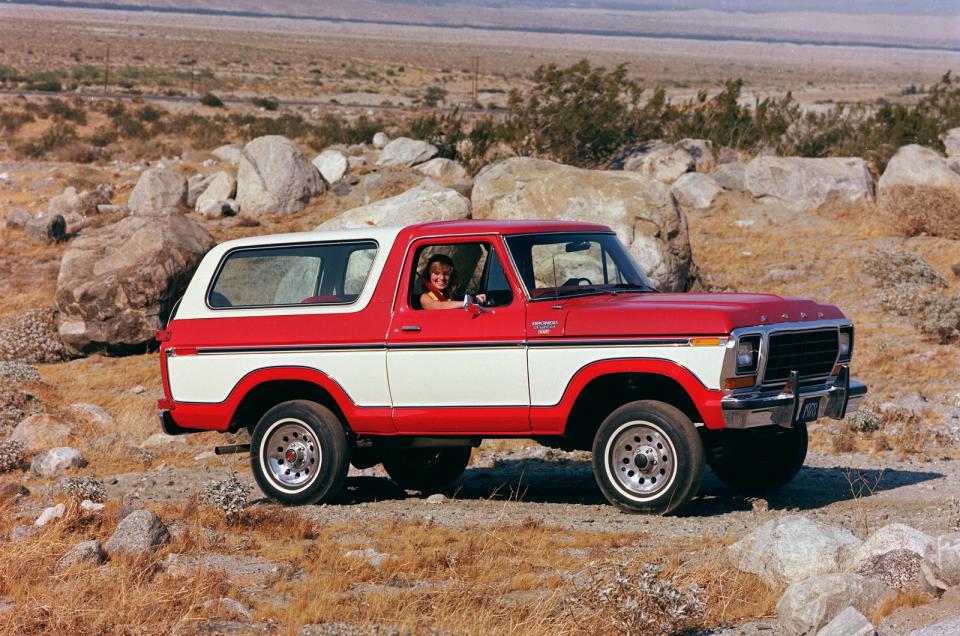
(810, 353)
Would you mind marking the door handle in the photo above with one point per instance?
(410, 328)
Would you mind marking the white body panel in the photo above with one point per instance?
(194, 303)
(494, 376)
(551, 369)
(209, 378)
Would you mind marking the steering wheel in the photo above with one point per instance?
(576, 282)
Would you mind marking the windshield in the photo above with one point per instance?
(565, 265)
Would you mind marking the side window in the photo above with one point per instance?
(471, 268)
(332, 273)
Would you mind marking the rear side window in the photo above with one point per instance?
(320, 274)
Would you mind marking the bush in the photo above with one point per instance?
(266, 103)
(80, 488)
(939, 317)
(917, 210)
(863, 421)
(211, 100)
(895, 267)
(12, 455)
(229, 496)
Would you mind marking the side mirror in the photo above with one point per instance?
(475, 309)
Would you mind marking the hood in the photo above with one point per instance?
(653, 314)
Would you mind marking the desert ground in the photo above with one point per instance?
(524, 542)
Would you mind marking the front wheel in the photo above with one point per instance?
(648, 457)
(299, 453)
(427, 469)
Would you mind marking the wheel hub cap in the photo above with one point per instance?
(293, 453)
(641, 459)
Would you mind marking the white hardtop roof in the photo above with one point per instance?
(383, 235)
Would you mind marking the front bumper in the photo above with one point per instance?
(794, 404)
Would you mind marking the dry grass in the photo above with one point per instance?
(910, 597)
(917, 210)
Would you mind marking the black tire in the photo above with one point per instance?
(427, 469)
(648, 458)
(763, 463)
(321, 457)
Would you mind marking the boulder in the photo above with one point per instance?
(73, 204)
(139, 533)
(275, 178)
(158, 192)
(727, 155)
(810, 604)
(792, 548)
(85, 553)
(237, 568)
(17, 218)
(429, 201)
(730, 176)
(702, 152)
(947, 627)
(380, 140)
(216, 208)
(404, 151)
(951, 141)
(196, 185)
(695, 190)
(942, 561)
(91, 413)
(39, 432)
(49, 514)
(221, 186)
(332, 165)
(921, 193)
(446, 171)
(894, 536)
(56, 461)
(49, 228)
(655, 159)
(954, 163)
(899, 569)
(117, 282)
(231, 153)
(849, 622)
(641, 211)
(800, 183)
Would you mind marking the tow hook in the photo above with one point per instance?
(232, 449)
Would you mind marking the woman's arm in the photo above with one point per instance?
(428, 302)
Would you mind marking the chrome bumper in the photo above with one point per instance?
(791, 405)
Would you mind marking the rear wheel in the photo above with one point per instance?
(648, 457)
(763, 463)
(427, 469)
(299, 453)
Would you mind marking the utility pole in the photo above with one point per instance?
(106, 71)
(476, 74)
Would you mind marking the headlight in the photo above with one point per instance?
(845, 342)
(748, 354)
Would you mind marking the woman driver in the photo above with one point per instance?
(440, 279)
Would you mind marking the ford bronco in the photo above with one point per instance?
(318, 344)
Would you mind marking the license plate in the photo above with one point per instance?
(809, 410)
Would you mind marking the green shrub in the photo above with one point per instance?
(211, 100)
(266, 103)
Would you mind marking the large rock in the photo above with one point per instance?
(801, 183)
(332, 165)
(49, 228)
(56, 461)
(140, 533)
(380, 140)
(404, 151)
(446, 171)
(429, 201)
(900, 569)
(85, 553)
(657, 160)
(730, 176)
(702, 152)
(849, 622)
(891, 537)
(921, 193)
(196, 185)
(792, 548)
(641, 211)
(947, 627)
(695, 190)
(118, 282)
(942, 561)
(810, 604)
(222, 186)
(158, 192)
(73, 203)
(231, 153)
(275, 178)
(951, 141)
(39, 432)
(17, 218)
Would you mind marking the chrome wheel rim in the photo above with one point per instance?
(293, 454)
(641, 459)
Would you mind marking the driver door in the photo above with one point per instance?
(454, 371)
